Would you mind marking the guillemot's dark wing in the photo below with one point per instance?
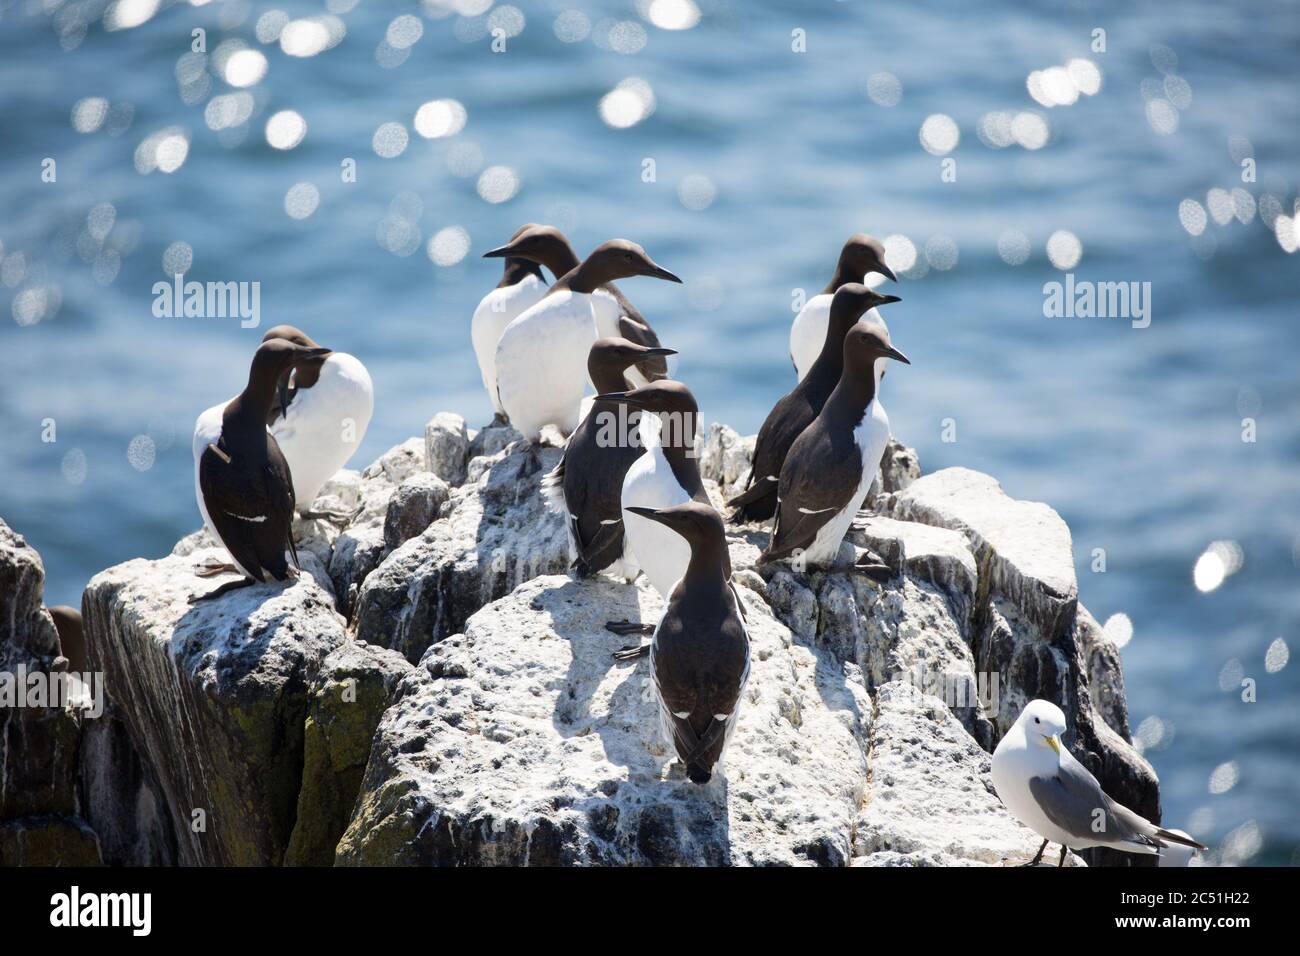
(280, 491)
(251, 507)
(632, 325)
(783, 425)
(819, 479)
(701, 663)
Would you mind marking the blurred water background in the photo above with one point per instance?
(765, 160)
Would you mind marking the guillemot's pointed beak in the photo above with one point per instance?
(316, 353)
(659, 351)
(624, 398)
(651, 513)
(659, 272)
(500, 252)
(887, 272)
(886, 299)
(896, 355)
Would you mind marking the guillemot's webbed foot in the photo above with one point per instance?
(334, 517)
(498, 420)
(624, 628)
(632, 652)
(871, 565)
(223, 589)
(212, 570)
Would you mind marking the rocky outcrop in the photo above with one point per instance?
(345, 701)
(41, 822)
(214, 695)
(435, 690)
(496, 533)
(1029, 629)
(521, 741)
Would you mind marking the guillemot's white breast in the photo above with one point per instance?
(324, 424)
(541, 362)
(495, 312)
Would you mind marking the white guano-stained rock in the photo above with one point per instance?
(930, 801)
(1026, 544)
(523, 742)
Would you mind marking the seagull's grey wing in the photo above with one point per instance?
(1073, 800)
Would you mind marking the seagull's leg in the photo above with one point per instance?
(225, 588)
(1038, 857)
(632, 653)
(1064, 850)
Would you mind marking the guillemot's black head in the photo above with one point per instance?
(852, 300)
(274, 357)
(863, 254)
(622, 259)
(542, 244)
(306, 369)
(695, 521)
(663, 396)
(610, 358)
(867, 342)
(672, 402)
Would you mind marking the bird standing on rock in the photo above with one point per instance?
(322, 409)
(796, 410)
(542, 356)
(860, 256)
(586, 485)
(1045, 788)
(699, 656)
(614, 315)
(520, 288)
(245, 485)
(831, 465)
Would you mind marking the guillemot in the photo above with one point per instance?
(322, 409)
(1045, 788)
(614, 315)
(521, 287)
(831, 465)
(861, 255)
(667, 475)
(796, 411)
(587, 483)
(542, 355)
(245, 486)
(72, 637)
(699, 655)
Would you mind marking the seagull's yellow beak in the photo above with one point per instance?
(1055, 743)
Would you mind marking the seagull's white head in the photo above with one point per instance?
(1043, 723)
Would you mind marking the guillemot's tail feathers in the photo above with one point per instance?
(755, 503)
(552, 488)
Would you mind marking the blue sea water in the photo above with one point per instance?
(1133, 434)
